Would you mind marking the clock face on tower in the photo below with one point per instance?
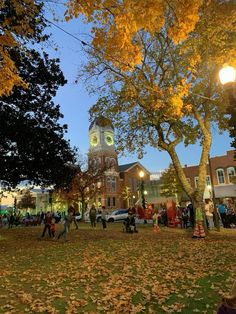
(109, 138)
(94, 140)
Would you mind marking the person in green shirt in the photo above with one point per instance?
(198, 231)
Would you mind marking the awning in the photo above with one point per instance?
(222, 191)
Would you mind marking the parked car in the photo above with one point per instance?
(117, 215)
(32, 220)
(78, 216)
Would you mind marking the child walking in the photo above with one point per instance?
(65, 229)
(103, 217)
(53, 227)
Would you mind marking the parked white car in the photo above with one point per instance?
(78, 216)
(117, 215)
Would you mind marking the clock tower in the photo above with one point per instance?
(102, 153)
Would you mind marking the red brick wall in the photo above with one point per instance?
(218, 162)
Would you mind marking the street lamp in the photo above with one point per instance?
(133, 200)
(141, 175)
(227, 74)
(228, 79)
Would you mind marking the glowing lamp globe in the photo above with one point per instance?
(141, 174)
(227, 75)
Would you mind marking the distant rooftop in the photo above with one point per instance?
(126, 166)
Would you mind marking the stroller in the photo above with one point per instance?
(129, 225)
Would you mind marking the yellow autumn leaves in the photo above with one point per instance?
(117, 24)
(15, 25)
(114, 272)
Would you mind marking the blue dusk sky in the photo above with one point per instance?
(75, 101)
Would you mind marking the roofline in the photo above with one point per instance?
(135, 164)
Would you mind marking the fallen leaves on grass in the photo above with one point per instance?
(114, 273)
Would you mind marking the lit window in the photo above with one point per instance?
(230, 173)
(220, 176)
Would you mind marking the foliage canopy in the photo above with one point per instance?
(32, 146)
(20, 22)
(160, 70)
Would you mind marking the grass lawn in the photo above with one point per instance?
(112, 272)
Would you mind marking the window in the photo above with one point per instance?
(111, 184)
(111, 201)
(220, 176)
(133, 184)
(196, 181)
(230, 173)
(208, 181)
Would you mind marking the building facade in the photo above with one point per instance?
(220, 174)
(120, 184)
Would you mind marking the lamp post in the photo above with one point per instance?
(212, 192)
(141, 175)
(133, 200)
(228, 79)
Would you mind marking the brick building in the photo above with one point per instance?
(220, 172)
(117, 179)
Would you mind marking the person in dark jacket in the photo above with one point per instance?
(92, 216)
(191, 214)
(11, 221)
(47, 224)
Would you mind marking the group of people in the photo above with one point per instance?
(50, 224)
(10, 220)
(129, 224)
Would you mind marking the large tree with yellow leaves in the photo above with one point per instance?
(20, 22)
(160, 60)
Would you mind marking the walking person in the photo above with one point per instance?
(209, 215)
(53, 228)
(92, 216)
(191, 214)
(72, 214)
(103, 217)
(65, 230)
(47, 224)
(185, 218)
(11, 221)
(155, 223)
(222, 210)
